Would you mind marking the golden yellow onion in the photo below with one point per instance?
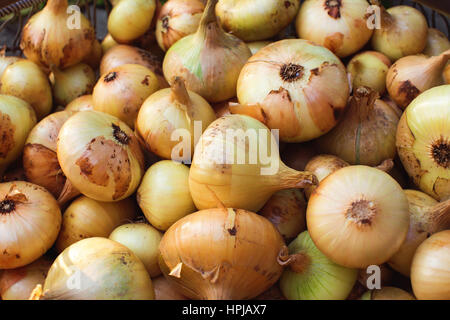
(423, 141)
(387, 293)
(221, 254)
(255, 46)
(358, 216)
(81, 104)
(366, 134)
(130, 19)
(97, 269)
(87, 218)
(100, 155)
(427, 216)
(170, 114)
(197, 58)
(295, 86)
(17, 284)
(17, 118)
(430, 273)
(30, 220)
(164, 194)
(339, 25)
(122, 90)
(143, 240)
(23, 79)
(57, 36)
(177, 19)
(437, 42)
(252, 20)
(369, 69)
(236, 162)
(403, 32)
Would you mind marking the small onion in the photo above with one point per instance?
(430, 272)
(30, 220)
(423, 141)
(165, 291)
(164, 194)
(143, 240)
(255, 46)
(5, 61)
(295, 86)
(87, 218)
(81, 104)
(226, 254)
(339, 25)
(358, 216)
(437, 42)
(97, 269)
(100, 155)
(387, 293)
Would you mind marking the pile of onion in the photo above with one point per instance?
(221, 254)
(30, 220)
(296, 86)
(100, 155)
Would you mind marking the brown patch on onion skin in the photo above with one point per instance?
(7, 130)
(334, 41)
(333, 8)
(408, 91)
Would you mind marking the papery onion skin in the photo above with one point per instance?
(437, 43)
(107, 270)
(310, 275)
(100, 155)
(164, 194)
(221, 254)
(255, 46)
(165, 291)
(358, 216)
(30, 220)
(143, 240)
(252, 20)
(48, 41)
(304, 97)
(387, 293)
(177, 19)
(423, 141)
(23, 79)
(17, 119)
(197, 57)
(87, 218)
(430, 274)
(403, 32)
(17, 284)
(82, 103)
(339, 25)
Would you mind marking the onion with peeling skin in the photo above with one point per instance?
(81, 104)
(437, 42)
(387, 293)
(296, 86)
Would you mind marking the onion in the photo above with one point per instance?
(48, 41)
(17, 118)
(30, 220)
(130, 19)
(164, 194)
(95, 56)
(97, 269)
(221, 172)
(252, 20)
(100, 155)
(295, 86)
(437, 43)
(23, 79)
(17, 284)
(310, 275)
(165, 113)
(82, 103)
(412, 75)
(427, 216)
(423, 141)
(369, 69)
(107, 43)
(143, 240)
(430, 274)
(221, 254)
(71, 83)
(122, 90)
(41, 162)
(286, 209)
(177, 19)
(358, 216)
(403, 32)
(5, 61)
(123, 54)
(387, 293)
(339, 25)
(86, 218)
(197, 58)
(257, 45)
(297, 155)
(165, 291)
